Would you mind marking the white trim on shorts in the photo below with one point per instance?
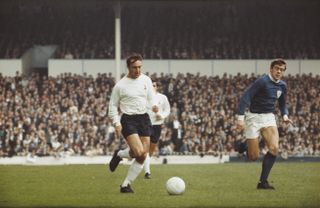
(256, 121)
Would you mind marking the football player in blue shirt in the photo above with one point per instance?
(261, 98)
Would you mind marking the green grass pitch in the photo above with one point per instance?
(217, 185)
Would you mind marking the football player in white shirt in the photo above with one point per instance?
(133, 94)
(157, 120)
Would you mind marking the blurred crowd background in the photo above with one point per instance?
(67, 114)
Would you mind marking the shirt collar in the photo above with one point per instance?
(275, 81)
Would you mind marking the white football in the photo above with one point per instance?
(175, 186)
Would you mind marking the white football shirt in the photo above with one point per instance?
(132, 96)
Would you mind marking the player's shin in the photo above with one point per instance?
(133, 172)
(267, 165)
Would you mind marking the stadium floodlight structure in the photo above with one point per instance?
(117, 11)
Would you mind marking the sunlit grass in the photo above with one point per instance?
(221, 185)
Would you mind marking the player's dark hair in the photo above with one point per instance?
(278, 61)
(154, 80)
(159, 86)
(133, 58)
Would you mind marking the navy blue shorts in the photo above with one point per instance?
(155, 134)
(136, 124)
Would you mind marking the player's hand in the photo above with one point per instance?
(155, 109)
(288, 121)
(240, 124)
(118, 130)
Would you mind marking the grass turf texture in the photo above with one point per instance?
(220, 185)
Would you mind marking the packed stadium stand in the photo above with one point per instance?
(210, 29)
(67, 114)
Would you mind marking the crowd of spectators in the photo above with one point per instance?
(164, 29)
(67, 115)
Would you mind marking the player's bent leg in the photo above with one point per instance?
(253, 149)
(133, 172)
(139, 147)
(252, 132)
(271, 138)
(145, 141)
(136, 147)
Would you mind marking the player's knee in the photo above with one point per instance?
(141, 159)
(140, 153)
(137, 153)
(274, 149)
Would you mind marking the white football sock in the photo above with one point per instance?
(146, 166)
(133, 172)
(124, 153)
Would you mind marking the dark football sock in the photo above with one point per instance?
(267, 164)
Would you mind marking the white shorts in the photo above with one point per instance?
(255, 122)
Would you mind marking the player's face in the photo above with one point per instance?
(277, 71)
(135, 69)
(155, 86)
